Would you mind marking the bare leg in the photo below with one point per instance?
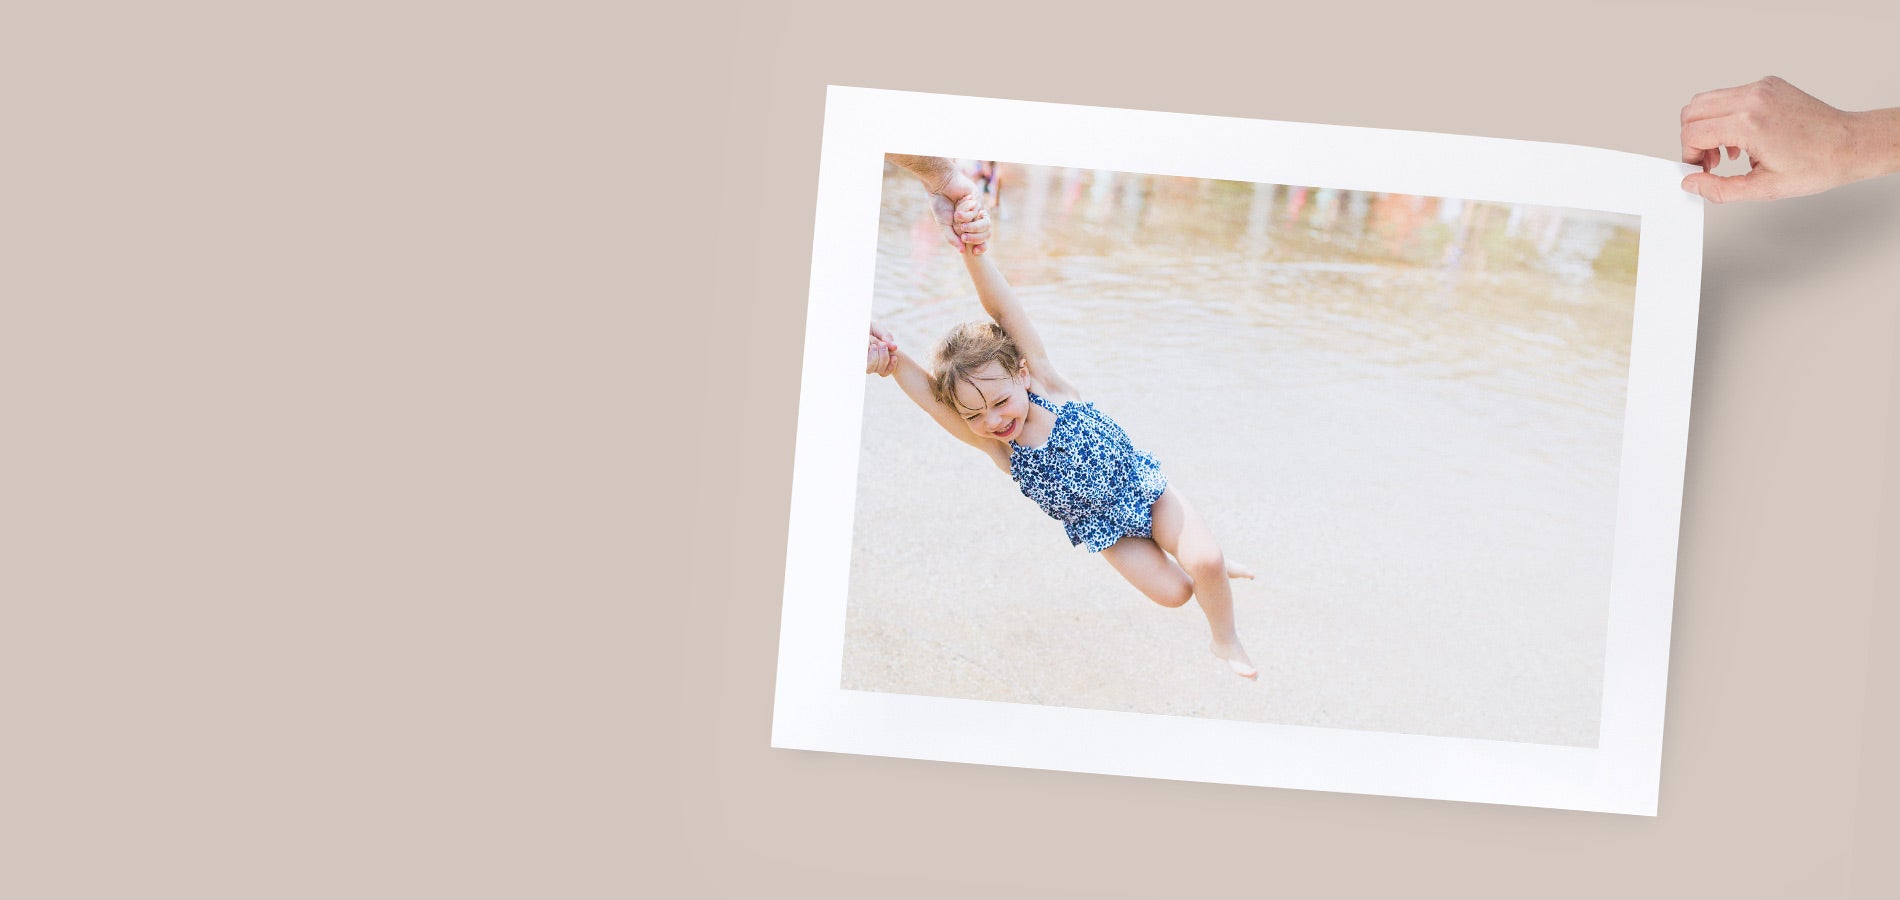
(1180, 531)
(1141, 561)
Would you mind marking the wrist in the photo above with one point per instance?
(956, 185)
(1874, 142)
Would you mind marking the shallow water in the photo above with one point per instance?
(1404, 413)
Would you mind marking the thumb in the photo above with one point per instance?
(944, 211)
(1760, 184)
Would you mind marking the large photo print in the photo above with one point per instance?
(1238, 451)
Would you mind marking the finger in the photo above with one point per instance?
(950, 231)
(1711, 134)
(1714, 104)
(1756, 185)
(881, 333)
(1706, 157)
(968, 208)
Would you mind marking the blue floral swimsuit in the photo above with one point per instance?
(1089, 477)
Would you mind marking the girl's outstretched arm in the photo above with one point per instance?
(916, 384)
(1001, 303)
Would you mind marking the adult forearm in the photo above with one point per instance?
(934, 171)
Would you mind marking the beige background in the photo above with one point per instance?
(399, 404)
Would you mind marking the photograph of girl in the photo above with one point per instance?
(1376, 434)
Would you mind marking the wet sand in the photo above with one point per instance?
(1403, 414)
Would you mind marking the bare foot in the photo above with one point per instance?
(1236, 657)
(1236, 570)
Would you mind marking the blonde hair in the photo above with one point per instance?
(966, 350)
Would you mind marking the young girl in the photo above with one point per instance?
(995, 389)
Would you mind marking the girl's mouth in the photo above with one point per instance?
(1006, 432)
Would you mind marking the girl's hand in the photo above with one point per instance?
(972, 223)
(881, 355)
(958, 207)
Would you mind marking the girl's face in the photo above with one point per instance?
(996, 405)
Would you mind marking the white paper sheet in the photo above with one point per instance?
(813, 711)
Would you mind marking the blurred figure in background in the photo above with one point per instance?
(989, 179)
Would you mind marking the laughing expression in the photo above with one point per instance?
(993, 405)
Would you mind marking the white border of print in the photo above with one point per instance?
(812, 712)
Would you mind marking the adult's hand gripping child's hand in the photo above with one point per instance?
(959, 209)
(881, 357)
